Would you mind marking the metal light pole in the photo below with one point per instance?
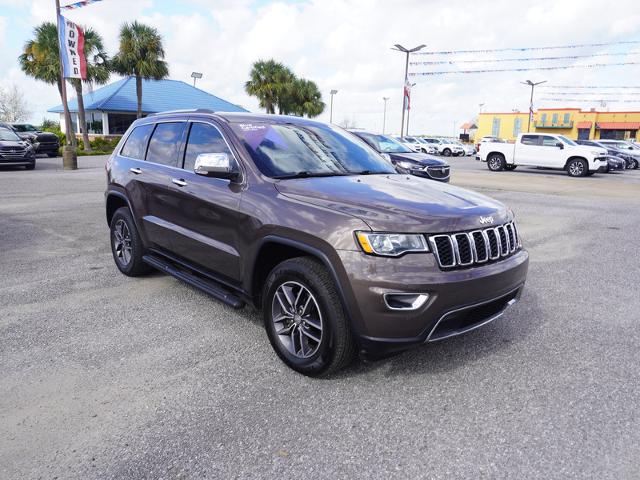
(332, 93)
(407, 51)
(69, 155)
(532, 84)
(195, 75)
(384, 114)
(409, 111)
(480, 105)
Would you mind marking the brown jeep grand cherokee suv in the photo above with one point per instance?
(308, 223)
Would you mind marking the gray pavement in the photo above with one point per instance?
(104, 376)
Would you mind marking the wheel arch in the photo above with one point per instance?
(114, 201)
(575, 157)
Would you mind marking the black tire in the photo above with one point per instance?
(446, 152)
(510, 168)
(31, 166)
(336, 347)
(131, 264)
(495, 162)
(636, 164)
(577, 167)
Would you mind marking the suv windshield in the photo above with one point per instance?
(566, 140)
(384, 144)
(7, 135)
(282, 150)
(24, 128)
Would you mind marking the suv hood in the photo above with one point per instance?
(587, 150)
(398, 203)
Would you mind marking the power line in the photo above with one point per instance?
(594, 93)
(587, 100)
(559, 67)
(590, 86)
(532, 59)
(525, 49)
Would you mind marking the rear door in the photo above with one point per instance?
(204, 211)
(160, 170)
(528, 150)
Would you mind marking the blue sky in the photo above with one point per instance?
(346, 45)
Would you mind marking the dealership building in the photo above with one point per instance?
(574, 123)
(111, 109)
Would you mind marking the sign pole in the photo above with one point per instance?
(69, 156)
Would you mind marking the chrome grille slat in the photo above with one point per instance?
(464, 249)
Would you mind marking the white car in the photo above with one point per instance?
(547, 151)
(427, 147)
(629, 148)
(468, 149)
(445, 147)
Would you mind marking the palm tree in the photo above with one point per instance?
(41, 60)
(269, 81)
(307, 98)
(141, 54)
(97, 72)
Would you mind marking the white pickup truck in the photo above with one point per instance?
(544, 150)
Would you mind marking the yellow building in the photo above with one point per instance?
(571, 122)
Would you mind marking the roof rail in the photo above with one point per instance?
(185, 110)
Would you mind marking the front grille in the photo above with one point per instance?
(438, 172)
(12, 152)
(465, 249)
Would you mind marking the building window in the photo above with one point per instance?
(119, 122)
(495, 129)
(94, 122)
(543, 119)
(566, 119)
(554, 119)
(517, 126)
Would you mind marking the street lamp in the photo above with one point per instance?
(407, 51)
(532, 84)
(195, 75)
(384, 113)
(332, 93)
(480, 105)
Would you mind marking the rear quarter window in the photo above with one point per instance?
(136, 144)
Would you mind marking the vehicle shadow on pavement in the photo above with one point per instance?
(517, 325)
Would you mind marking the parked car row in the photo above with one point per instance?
(437, 146)
(15, 151)
(578, 159)
(43, 142)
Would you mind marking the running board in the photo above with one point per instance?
(208, 286)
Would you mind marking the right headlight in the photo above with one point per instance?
(391, 244)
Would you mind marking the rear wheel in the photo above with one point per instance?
(446, 152)
(304, 318)
(577, 167)
(126, 244)
(495, 162)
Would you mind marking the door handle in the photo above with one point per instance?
(178, 181)
(137, 171)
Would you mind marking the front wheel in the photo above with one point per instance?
(304, 318)
(635, 164)
(495, 162)
(577, 168)
(446, 152)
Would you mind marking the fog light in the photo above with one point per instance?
(405, 301)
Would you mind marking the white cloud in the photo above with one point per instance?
(346, 45)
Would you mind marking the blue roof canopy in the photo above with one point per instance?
(157, 96)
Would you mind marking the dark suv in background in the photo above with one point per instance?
(308, 223)
(44, 142)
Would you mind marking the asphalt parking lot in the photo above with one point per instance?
(104, 376)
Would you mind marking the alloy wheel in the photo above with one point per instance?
(297, 319)
(494, 163)
(576, 168)
(122, 242)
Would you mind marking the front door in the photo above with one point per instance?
(204, 210)
(551, 155)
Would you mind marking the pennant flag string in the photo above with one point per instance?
(527, 49)
(492, 70)
(81, 4)
(531, 59)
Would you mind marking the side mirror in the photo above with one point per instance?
(217, 165)
(560, 145)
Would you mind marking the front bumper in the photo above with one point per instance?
(48, 148)
(455, 297)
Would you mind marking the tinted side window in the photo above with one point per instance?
(164, 146)
(136, 144)
(203, 138)
(530, 140)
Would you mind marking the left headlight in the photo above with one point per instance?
(391, 244)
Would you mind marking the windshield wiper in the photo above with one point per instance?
(306, 174)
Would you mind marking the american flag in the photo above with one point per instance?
(407, 94)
